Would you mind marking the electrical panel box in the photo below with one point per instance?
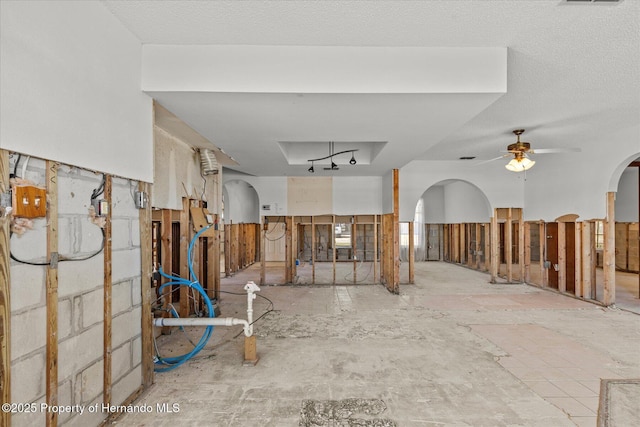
(29, 201)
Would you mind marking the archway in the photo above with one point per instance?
(627, 236)
(449, 222)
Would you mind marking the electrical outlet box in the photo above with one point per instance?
(29, 201)
(101, 206)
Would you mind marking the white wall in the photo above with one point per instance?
(241, 204)
(360, 195)
(464, 202)
(501, 187)
(434, 205)
(350, 196)
(627, 196)
(70, 84)
(577, 183)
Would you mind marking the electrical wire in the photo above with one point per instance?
(61, 258)
(269, 309)
(15, 166)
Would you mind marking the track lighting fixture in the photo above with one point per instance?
(331, 155)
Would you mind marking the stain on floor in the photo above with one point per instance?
(346, 412)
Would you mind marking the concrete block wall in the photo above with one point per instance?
(81, 305)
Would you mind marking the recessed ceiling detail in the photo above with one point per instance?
(299, 152)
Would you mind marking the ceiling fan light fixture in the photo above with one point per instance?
(520, 164)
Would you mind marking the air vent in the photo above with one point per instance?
(590, 1)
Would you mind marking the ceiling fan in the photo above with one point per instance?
(520, 150)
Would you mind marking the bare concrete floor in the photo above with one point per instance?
(451, 350)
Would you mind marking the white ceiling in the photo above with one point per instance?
(573, 76)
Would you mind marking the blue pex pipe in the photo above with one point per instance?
(170, 363)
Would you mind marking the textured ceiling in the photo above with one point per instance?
(573, 70)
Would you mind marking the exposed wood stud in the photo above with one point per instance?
(354, 246)
(579, 284)
(375, 249)
(5, 301)
(263, 253)
(52, 292)
(609, 256)
(186, 233)
(146, 275)
(487, 247)
(562, 257)
(289, 259)
(478, 247)
(412, 257)
(508, 244)
(527, 251)
(544, 273)
(495, 247)
(313, 251)
(396, 232)
(108, 315)
(227, 250)
(586, 260)
(523, 260)
(166, 262)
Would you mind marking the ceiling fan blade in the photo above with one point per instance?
(491, 160)
(555, 150)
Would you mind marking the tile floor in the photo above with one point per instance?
(451, 350)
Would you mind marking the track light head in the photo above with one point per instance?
(333, 165)
(311, 169)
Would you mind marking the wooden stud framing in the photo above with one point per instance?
(526, 242)
(456, 243)
(108, 315)
(495, 247)
(478, 248)
(412, 257)
(579, 284)
(227, 250)
(145, 285)
(52, 292)
(354, 246)
(396, 231)
(544, 274)
(487, 247)
(523, 260)
(313, 251)
(562, 257)
(375, 249)
(289, 259)
(609, 256)
(167, 256)
(587, 261)
(210, 262)
(5, 301)
(508, 244)
(263, 253)
(186, 233)
(333, 246)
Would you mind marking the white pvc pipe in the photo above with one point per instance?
(202, 321)
(250, 287)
